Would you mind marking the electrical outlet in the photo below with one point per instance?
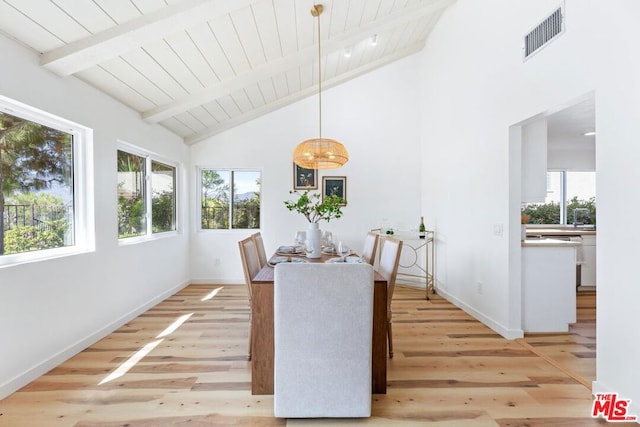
(216, 262)
(479, 287)
(498, 229)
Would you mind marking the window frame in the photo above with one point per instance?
(198, 186)
(563, 191)
(150, 157)
(83, 185)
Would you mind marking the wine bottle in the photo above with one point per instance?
(421, 229)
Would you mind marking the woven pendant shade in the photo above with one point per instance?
(320, 153)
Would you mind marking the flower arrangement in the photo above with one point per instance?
(313, 208)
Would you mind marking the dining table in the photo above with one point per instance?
(262, 339)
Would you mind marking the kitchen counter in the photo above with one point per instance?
(548, 243)
(559, 231)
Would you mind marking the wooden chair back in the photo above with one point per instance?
(370, 248)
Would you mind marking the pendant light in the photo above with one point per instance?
(320, 153)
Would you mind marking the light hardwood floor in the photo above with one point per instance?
(448, 370)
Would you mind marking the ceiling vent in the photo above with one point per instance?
(545, 32)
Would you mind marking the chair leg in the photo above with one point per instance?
(250, 334)
(390, 340)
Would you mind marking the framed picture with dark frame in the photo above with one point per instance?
(304, 179)
(335, 185)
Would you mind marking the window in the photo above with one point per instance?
(230, 199)
(566, 192)
(146, 201)
(41, 174)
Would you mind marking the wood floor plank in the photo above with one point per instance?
(448, 371)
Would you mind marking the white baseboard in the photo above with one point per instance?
(510, 334)
(45, 366)
(214, 281)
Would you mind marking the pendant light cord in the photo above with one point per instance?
(319, 79)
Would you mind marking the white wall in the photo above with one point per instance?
(51, 309)
(374, 116)
(474, 87)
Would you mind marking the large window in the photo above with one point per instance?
(570, 195)
(146, 195)
(39, 165)
(230, 199)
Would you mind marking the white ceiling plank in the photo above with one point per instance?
(26, 30)
(267, 27)
(95, 49)
(247, 31)
(176, 127)
(277, 66)
(385, 8)
(184, 47)
(227, 36)
(285, 11)
(134, 79)
(241, 99)
(204, 117)
(354, 15)
(206, 43)
(149, 6)
(255, 96)
(116, 88)
(144, 63)
(370, 11)
(268, 91)
(51, 17)
(190, 121)
(192, 139)
(337, 18)
(216, 111)
(293, 79)
(88, 14)
(229, 106)
(331, 63)
(306, 72)
(120, 11)
(280, 85)
(170, 61)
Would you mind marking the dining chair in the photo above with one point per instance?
(323, 320)
(250, 267)
(262, 255)
(370, 247)
(388, 268)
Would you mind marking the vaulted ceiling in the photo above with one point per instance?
(199, 67)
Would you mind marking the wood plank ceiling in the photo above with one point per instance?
(199, 67)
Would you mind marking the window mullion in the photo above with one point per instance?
(231, 195)
(563, 197)
(147, 194)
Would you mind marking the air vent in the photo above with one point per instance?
(542, 34)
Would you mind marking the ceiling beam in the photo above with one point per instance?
(115, 41)
(282, 102)
(305, 55)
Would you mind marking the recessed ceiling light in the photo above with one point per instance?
(347, 52)
(374, 40)
(590, 133)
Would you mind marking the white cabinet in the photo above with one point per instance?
(548, 287)
(534, 161)
(588, 269)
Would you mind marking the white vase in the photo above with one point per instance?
(314, 241)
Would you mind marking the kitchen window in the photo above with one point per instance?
(230, 199)
(566, 192)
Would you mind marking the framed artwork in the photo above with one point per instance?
(335, 185)
(304, 179)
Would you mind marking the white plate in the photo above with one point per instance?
(279, 259)
(348, 260)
